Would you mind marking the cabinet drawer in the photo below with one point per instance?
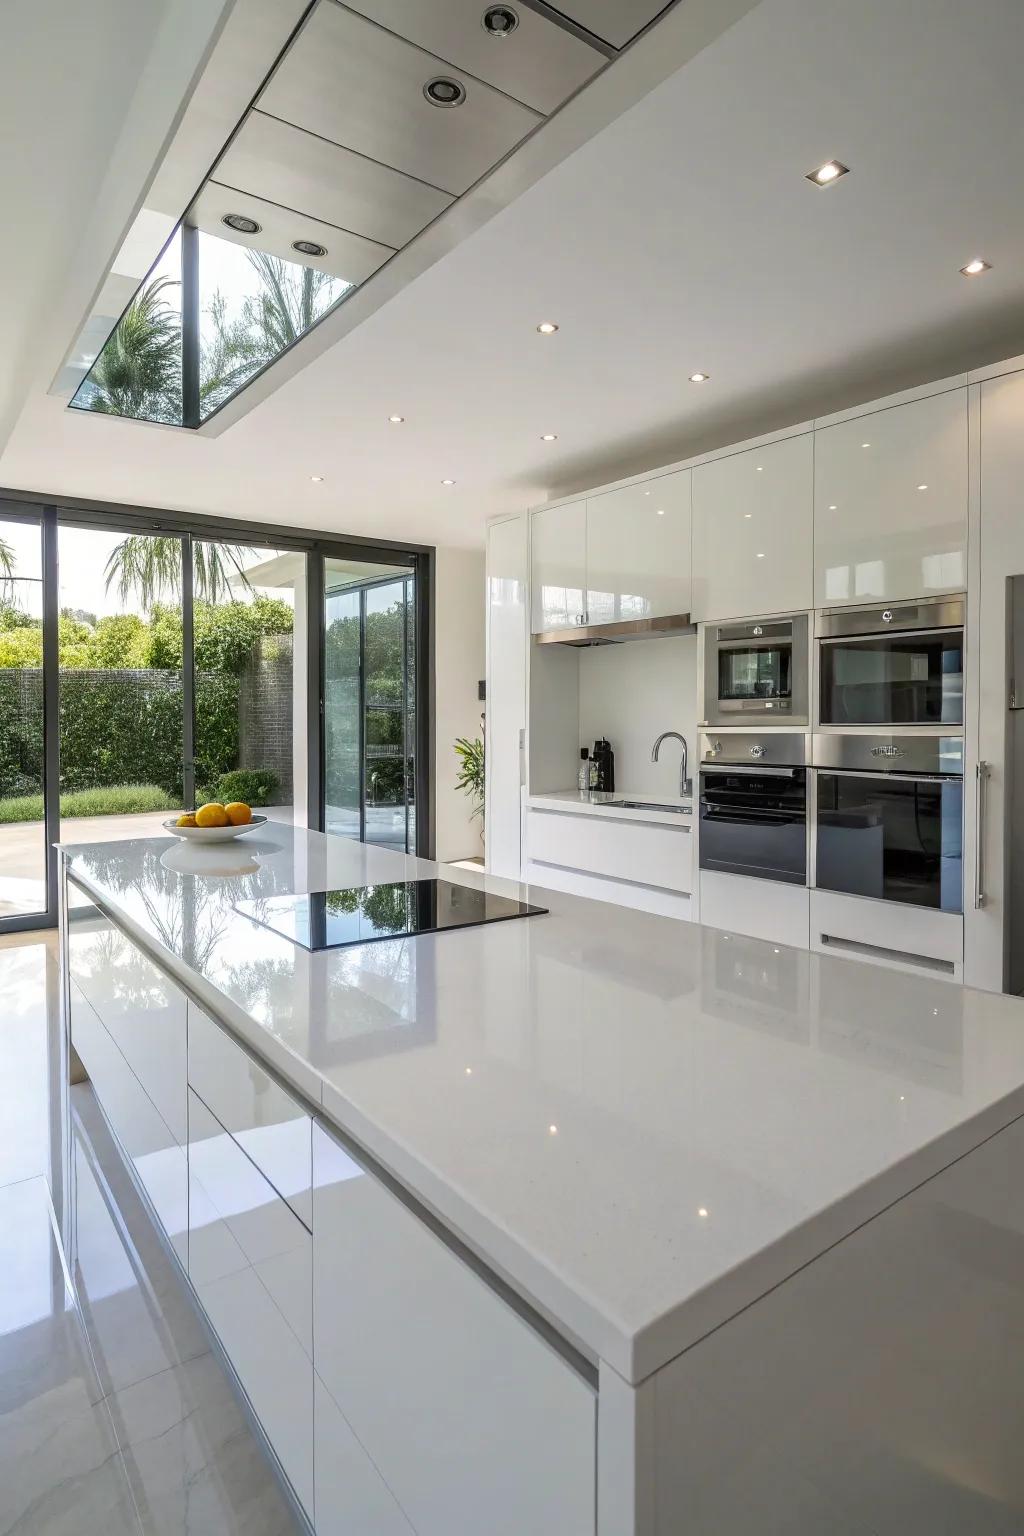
(159, 1161)
(270, 1124)
(473, 1420)
(250, 1262)
(620, 850)
(142, 1009)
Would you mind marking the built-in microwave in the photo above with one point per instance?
(755, 672)
(892, 666)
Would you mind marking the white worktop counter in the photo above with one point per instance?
(641, 1124)
(648, 809)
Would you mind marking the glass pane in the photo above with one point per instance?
(896, 839)
(121, 695)
(902, 680)
(369, 666)
(385, 731)
(251, 306)
(755, 672)
(138, 372)
(251, 730)
(22, 781)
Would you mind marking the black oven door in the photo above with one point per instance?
(754, 822)
(914, 678)
(896, 837)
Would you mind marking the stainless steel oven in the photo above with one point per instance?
(753, 806)
(888, 818)
(895, 666)
(756, 671)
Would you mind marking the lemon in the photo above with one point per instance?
(187, 820)
(238, 813)
(212, 815)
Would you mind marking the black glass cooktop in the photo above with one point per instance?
(366, 913)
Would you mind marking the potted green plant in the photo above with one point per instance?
(471, 773)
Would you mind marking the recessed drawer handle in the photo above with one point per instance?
(880, 952)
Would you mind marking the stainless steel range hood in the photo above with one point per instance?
(619, 633)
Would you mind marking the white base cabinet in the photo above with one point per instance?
(473, 1421)
(759, 909)
(913, 939)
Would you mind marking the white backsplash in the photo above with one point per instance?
(630, 694)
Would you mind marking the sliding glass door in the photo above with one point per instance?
(369, 711)
(23, 822)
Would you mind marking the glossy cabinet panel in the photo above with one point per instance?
(250, 1262)
(270, 1125)
(142, 1009)
(638, 551)
(890, 503)
(559, 566)
(473, 1421)
(352, 1499)
(752, 531)
(508, 586)
(157, 1157)
(621, 850)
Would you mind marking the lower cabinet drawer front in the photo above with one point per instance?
(622, 850)
(270, 1124)
(250, 1262)
(142, 1009)
(473, 1421)
(159, 1162)
(352, 1498)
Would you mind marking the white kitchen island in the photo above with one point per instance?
(584, 1222)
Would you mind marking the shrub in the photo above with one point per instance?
(256, 786)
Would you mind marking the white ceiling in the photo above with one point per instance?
(682, 237)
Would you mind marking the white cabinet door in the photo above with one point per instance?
(638, 551)
(890, 503)
(752, 531)
(474, 1422)
(558, 566)
(250, 1261)
(507, 586)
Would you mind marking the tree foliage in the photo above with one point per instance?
(138, 373)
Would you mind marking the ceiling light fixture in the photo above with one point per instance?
(443, 91)
(833, 508)
(396, 421)
(661, 511)
(922, 487)
(865, 445)
(702, 1210)
(447, 482)
(975, 267)
(309, 248)
(760, 557)
(241, 224)
(828, 173)
(549, 437)
(499, 21)
(317, 479)
(547, 328)
(699, 378)
(552, 1130)
(760, 469)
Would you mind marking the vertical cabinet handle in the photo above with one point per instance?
(981, 773)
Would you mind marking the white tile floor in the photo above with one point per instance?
(115, 1417)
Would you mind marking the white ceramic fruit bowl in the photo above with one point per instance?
(212, 834)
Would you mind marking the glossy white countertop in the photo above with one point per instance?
(598, 803)
(642, 1124)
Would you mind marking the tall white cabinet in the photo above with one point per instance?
(508, 587)
(753, 531)
(890, 503)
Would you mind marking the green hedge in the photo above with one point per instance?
(117, 728)
(125, 800)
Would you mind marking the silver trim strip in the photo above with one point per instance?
(981, 776)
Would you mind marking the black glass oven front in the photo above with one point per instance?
(909, 678)
(754, 822)
(896, 837)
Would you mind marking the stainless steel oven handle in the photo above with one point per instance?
(720, 765)
(981, 773)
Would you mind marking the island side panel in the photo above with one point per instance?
(878, 1392)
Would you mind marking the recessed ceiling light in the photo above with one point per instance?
(826, 174)
(922, 487)
(833, 508)
(699, 378)
(975, 267)
(748, 514)
(309, 248)
(547, 328)
(647, 493)
(317, 479)
(552, 1130)
(499, 20)
(447, 482)
(760, 557)
(865, 445)
(702, 1210)
(760, 469)
(396, 420)
(549, 437)
(443, 91)
(241, 224)
(661, 511)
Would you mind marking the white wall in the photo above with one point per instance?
(630, 694)
(459, 611)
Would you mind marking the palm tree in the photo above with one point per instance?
(150, 566)
(138, 373)
(6, 567)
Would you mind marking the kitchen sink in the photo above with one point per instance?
(646, 805)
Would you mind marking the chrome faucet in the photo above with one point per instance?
(685, 784)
